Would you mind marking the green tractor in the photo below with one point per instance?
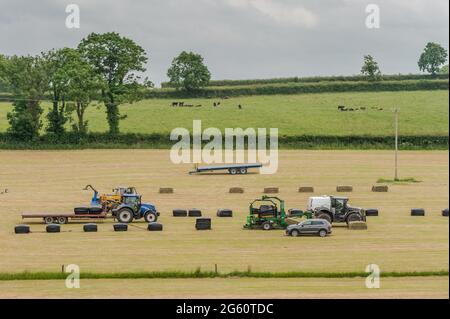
(268, 213)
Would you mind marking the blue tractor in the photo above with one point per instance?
(131, 208)
(124, 204)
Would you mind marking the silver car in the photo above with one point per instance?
(319, 227)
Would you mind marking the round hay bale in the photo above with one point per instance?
(22, 229)
(81, 210)
(90, 228)
(306, 189)
(95, 210)
(271, 190)
(371, 212)
(194, 212)
(445, 212)
(203, 223)
(224, 212)
(179, 212)
(357, 225)
(417, 212)
(120, 227)
(380, 188)
(155, 227)
(236, 190)
(344, 189)
(166, 190)
(293, 212)
(53, 228)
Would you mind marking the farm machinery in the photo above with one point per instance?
(335, 209)
(125, 204)
(269, 213)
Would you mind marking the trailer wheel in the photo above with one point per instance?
(233, 171)
(48, 220)
(267, 226)
(243, 171)
(150, 217)
(124, 216)
(62, 220)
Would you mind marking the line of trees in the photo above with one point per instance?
(104, 68)
(430, 61)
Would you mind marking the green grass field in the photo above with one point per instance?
(422, 113)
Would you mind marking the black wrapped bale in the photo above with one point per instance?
(155, 227)
(417, 212)
(90, 228)
(203, 223)
(120, 227)
(371, 212)
(194, 212)
(224, 213)
(22, 229)
(179, 213)
(53, 228)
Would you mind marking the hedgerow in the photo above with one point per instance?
(162, 141)
(301, 88)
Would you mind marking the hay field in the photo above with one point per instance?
(52, 181)
(278, 288)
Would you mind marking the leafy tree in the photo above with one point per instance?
(433, 56)
(2, 73)
(116, 59)
(371, 69)
(188, 72)
(444, 70)
(29, 81)
(59, 69)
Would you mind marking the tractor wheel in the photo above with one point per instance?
(243, 171)
(353, 218)
(48, 220)
(267, 226)
(295, 233)
(62, 220)
(150, 217)
(325, 216)
(233, 171)
(124, 216)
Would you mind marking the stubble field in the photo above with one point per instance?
(52, 181)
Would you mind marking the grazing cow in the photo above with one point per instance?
(240, 107)
(341, 107)
(214, 104)
(174, 104)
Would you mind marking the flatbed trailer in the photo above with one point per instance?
(233, 169)
(64, 218)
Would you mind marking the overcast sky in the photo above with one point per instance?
(240, 39)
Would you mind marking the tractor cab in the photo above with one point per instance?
(132, 200)
(339, 205)
(125, 191)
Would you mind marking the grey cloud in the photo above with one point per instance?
(240, 38)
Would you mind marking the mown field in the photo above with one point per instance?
(422, 113)
(248, 288)
(52, 181)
